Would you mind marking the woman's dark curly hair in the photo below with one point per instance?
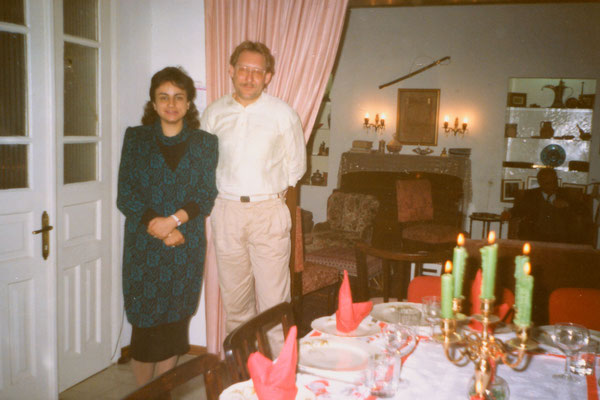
(178, 77)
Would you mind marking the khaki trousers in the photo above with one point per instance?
(252, 246)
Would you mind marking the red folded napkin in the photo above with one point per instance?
(500, 310)
(348, 315)
(276, 380)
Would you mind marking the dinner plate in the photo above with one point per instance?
(245, 391)
(333, 354)
(388, 312)
(328, 324)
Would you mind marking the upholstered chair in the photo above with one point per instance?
(419, 230)
(350, 218)
(575, 305)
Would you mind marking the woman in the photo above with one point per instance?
(166, 188)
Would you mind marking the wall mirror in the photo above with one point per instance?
(548, 124)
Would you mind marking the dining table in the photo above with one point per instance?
(426, 372)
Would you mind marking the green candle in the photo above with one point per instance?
(521, 260)
(447, 287)
(524, 292)
(458, 266)
(489, 256)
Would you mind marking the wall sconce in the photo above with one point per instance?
(379, 124)
(455, 130)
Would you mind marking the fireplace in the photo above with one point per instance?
(377, 174)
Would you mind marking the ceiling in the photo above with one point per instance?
(409, 3)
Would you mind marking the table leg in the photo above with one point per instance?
(362, 276)
(500, 229)
(486, 228)
(470, 226)
(404, 274)
(386, 280)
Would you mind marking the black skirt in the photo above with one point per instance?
(160, 342)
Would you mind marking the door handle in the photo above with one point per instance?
(46, 228)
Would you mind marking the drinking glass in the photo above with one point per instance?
(382, 375)
(569, 338)
(431, 310)
(399, 341)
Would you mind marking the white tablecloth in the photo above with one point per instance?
(429, 375)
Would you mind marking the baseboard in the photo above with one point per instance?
(195, 350)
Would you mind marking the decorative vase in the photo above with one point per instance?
(394, 146)
(546, 129)
(317, 178)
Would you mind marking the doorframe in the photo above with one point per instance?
(117, 221)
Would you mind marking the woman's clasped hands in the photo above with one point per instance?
(165, 229)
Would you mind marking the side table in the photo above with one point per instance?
(389, 257)
(486, 219)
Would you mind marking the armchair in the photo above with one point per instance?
(419, 229)
(350, 217)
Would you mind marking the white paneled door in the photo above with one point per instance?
(82, 38)
(27, 189)
(55, 286)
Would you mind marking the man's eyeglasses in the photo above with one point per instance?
(244, 70)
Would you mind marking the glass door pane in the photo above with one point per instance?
(12, 84)
(13, 166)
(12, 11)
(81, 118)
(80, 18)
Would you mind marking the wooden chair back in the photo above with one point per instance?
(251, 336)
(422, 286)
(161, 387)
(575, 305)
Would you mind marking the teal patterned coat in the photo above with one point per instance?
(162, 284)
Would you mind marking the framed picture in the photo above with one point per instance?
(516, 99)
(510, 187)
(417, 119)
(575, 186)
(532, 182)
(586, 100)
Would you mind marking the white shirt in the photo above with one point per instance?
(261, 146)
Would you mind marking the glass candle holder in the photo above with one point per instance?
(496, 390)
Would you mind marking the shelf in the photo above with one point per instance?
(548, 109)
(573, 139)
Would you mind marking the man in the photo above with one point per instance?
(261, 153)
(550, 213)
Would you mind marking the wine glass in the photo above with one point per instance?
(569, 338)
(399, 340)
(431, 310)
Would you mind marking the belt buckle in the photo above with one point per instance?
(245, 199)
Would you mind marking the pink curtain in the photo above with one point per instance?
(303, 36)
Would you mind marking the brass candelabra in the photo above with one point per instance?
(483, 349)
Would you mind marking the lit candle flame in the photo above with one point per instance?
(448, 266)
(367, 115)
(527, 268)
(526, 248)
(465, 120)
(461, 239)
(446, 118)
(382, 117)
(491, 237)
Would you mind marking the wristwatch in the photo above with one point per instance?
(176, 219)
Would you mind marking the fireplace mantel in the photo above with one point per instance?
(455, 166)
